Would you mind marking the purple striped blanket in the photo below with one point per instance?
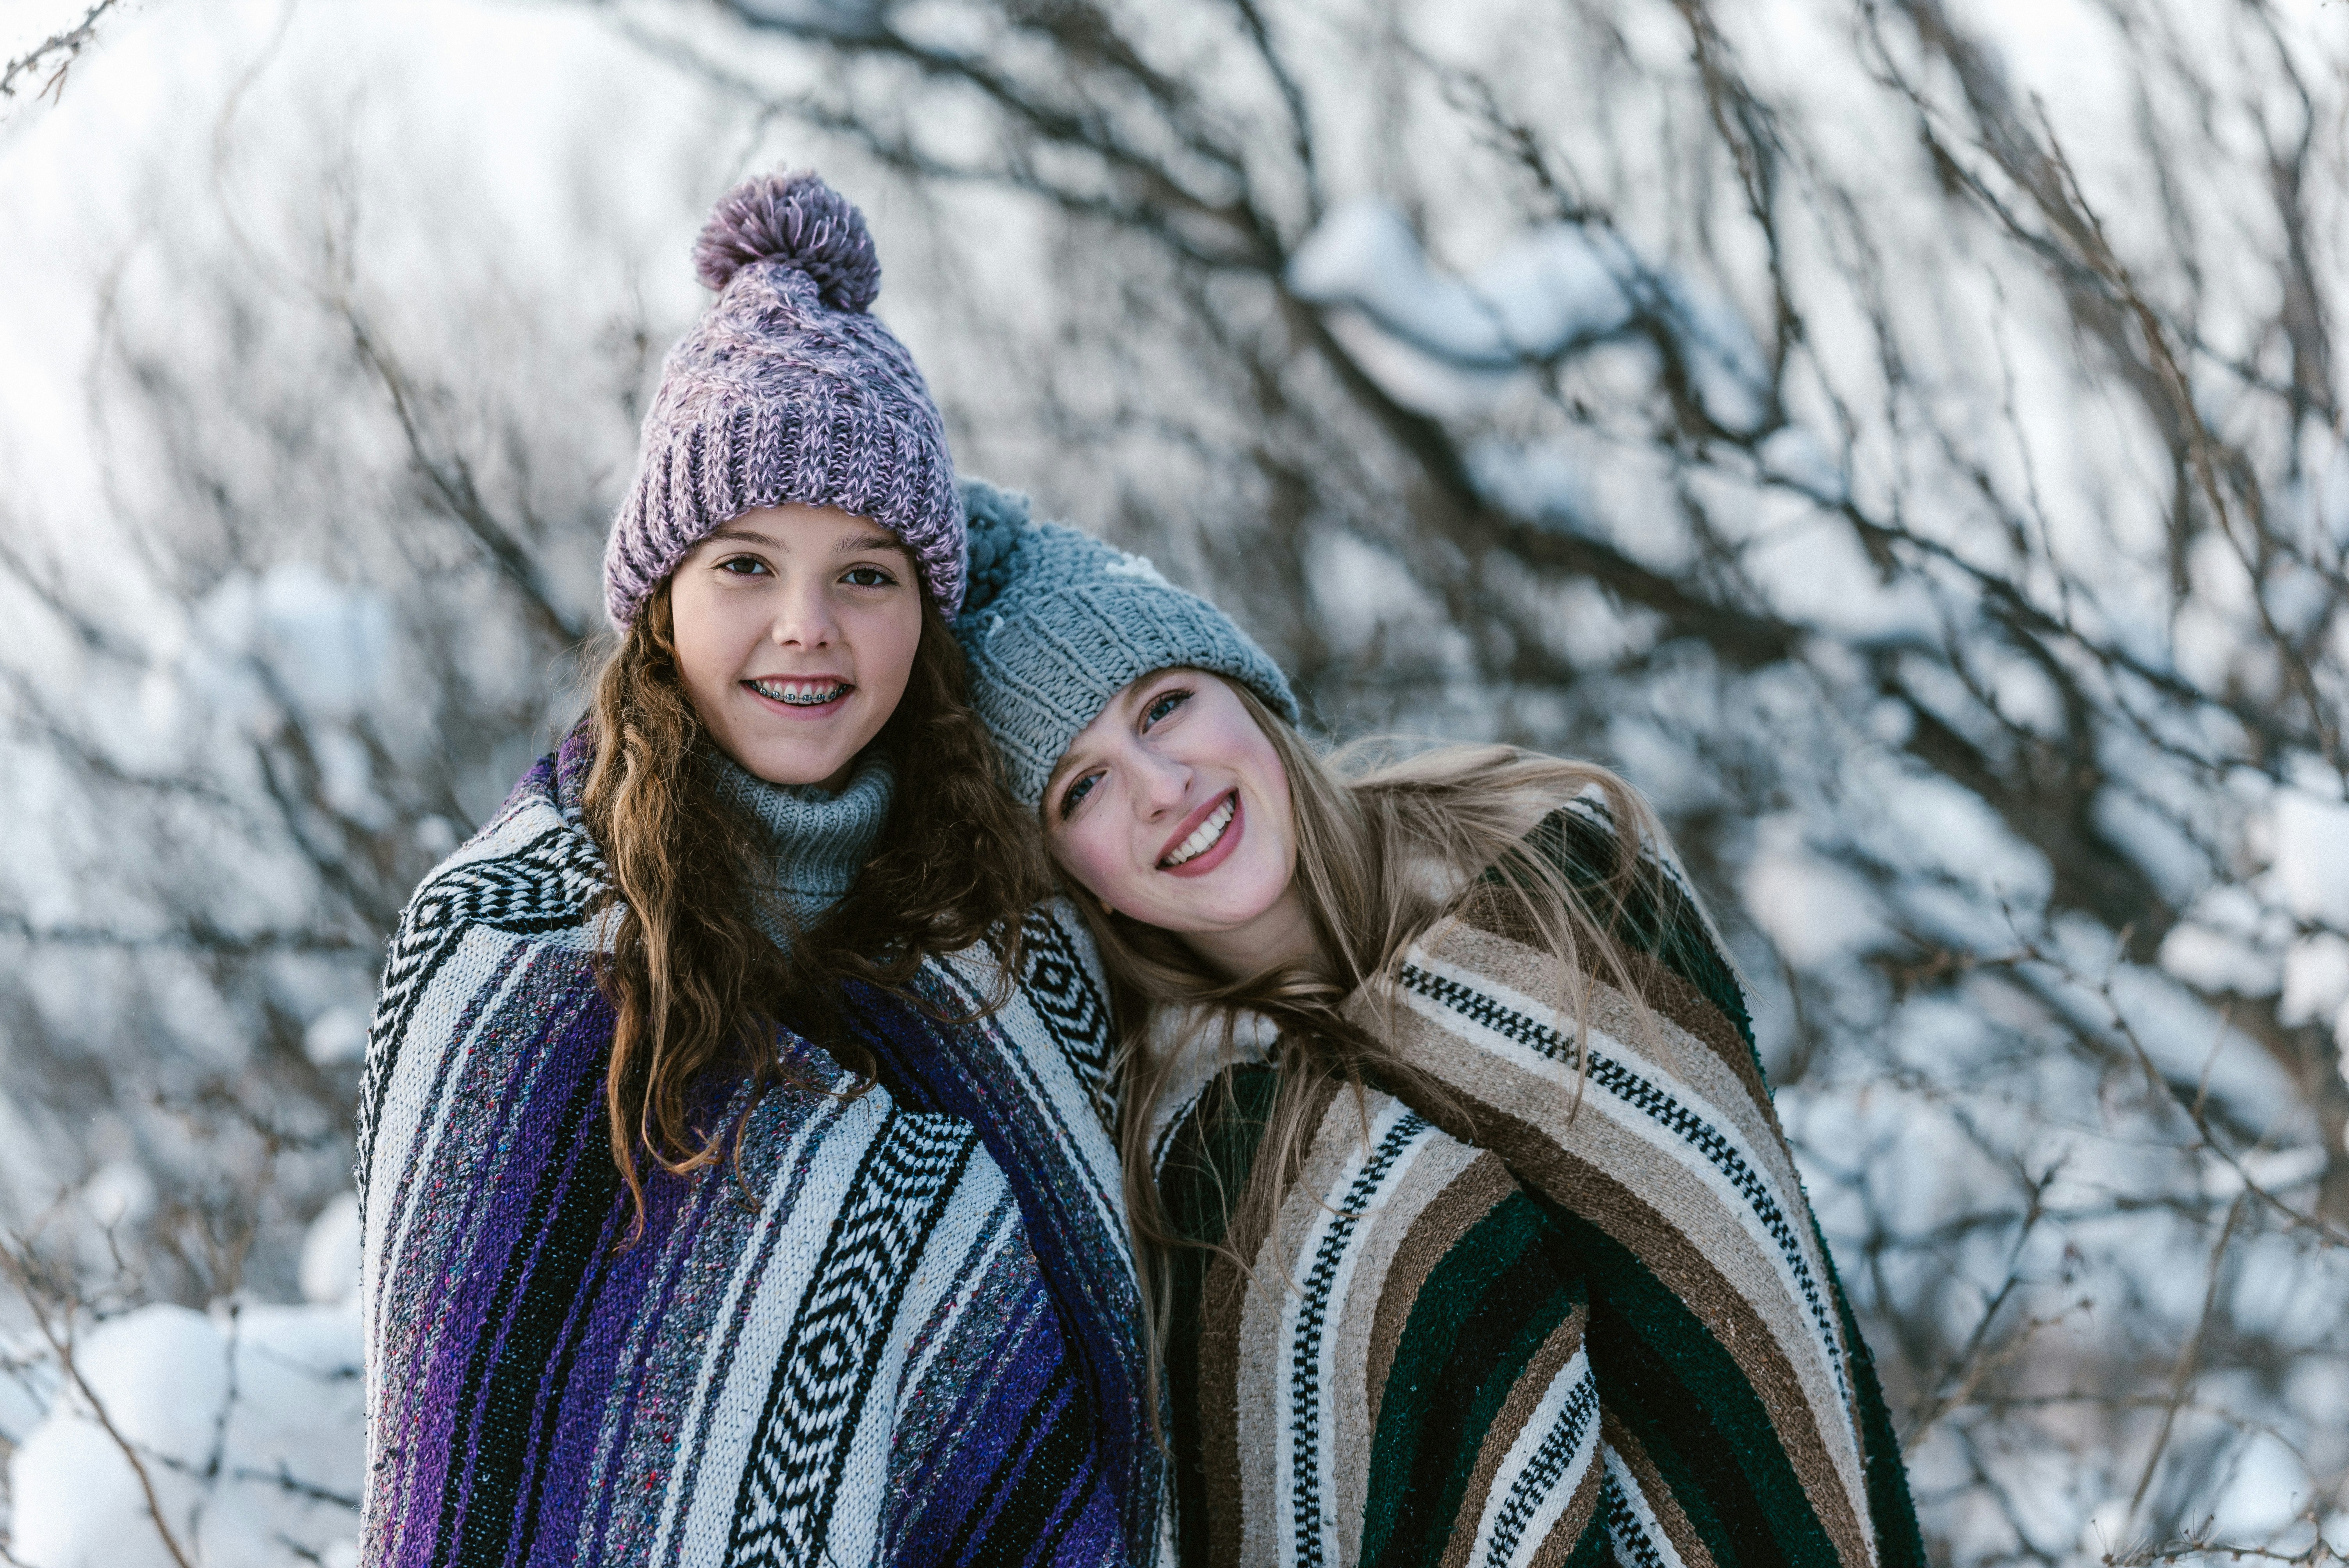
(906, 1330)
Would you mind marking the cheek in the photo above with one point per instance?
(707, 653)
(1092, 855)
(886, 641)
(1259, 765)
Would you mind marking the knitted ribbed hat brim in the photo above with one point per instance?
(1060, 622)
(741, 456)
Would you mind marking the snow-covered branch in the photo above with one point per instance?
(1906, 438)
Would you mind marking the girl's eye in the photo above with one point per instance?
(1162, 704)
(742, 565)
(1075, 793)
(868, 577)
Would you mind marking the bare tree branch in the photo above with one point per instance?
(69, 44)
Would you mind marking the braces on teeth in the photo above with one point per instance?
(799, 694)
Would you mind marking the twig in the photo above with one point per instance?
(2188, 1355)
(15, 1261)
(71, 42)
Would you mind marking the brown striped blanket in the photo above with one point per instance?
(1507, 1330)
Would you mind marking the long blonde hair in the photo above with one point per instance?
(1387, 840)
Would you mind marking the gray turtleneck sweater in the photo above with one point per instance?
(819, 840)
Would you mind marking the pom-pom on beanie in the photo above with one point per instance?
(786, 390)
(1056, 623)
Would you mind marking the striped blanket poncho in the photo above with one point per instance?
(906, 1329)
(1492, 1332)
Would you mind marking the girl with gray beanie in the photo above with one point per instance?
(1472, 1235)
(733, 1185)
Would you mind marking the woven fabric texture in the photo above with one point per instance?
(1058, 622)
(787, 389)
(1500, 1327)
(904, 1328)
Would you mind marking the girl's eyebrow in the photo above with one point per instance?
(1059, 774)
(1127, 696)
(1071, 761)
(855, 546)
(750, 536)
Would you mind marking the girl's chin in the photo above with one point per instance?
(804, 745)
(1215, 906)
(794, 766)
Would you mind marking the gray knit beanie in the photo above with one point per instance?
(786, 390)
(1056, 623)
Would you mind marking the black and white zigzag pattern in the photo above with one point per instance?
(1633, 1546)
(817, 1393)
(552, 883)
(1053, 973)
(1659, 1105)
(1552, 1463)
(1305, 1480)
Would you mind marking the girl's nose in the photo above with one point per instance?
(1161, 783)
(803, 618)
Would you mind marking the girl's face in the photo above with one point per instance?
(796, 628)
(1172, 808)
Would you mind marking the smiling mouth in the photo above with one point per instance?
(1204, 837)
(801, 694)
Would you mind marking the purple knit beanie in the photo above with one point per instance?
(786, 390)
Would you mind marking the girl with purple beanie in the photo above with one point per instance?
(737, 1181)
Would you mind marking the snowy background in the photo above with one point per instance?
(1905, 437)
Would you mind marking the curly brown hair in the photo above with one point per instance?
(698, 988)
